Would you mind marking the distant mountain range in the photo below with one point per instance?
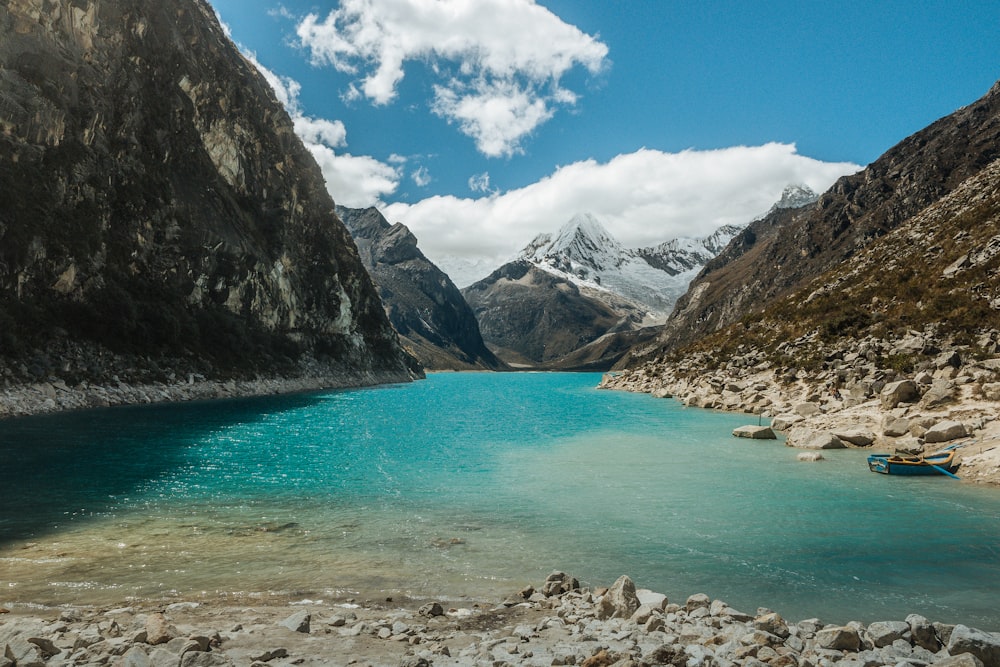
(584, 253)
(569, 290)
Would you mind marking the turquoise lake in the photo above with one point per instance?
(475, 485)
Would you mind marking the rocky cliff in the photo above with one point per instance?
(432, 318)
(159, 219)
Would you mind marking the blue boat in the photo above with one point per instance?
(941, 463)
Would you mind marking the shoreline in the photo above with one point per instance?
(56, 396)
(555, 623)
(917, 413)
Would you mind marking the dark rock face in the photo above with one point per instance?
(533, 317)
(428, 311)
(157, 207)
(781, 253)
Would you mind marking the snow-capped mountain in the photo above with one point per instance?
(586, 254)
(793, 196)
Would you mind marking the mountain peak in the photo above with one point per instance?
(584, 233)
(796, 195)
(581, 241)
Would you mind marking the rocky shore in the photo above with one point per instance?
(559, 623)
(913, 394)
(56, 395)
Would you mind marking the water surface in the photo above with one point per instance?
(475, 485)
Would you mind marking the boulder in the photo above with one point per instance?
(901, 391)
(807, 409)
(697, 601)
(23, 653)
(772, 623)
(785, 422)
(948, 359)
(945, 431)
(754, 432)
(960, 660)
(896, 428)
(158, 629)
(922, 633)
(843, 638)
(859, 436)
(808, 439)
(884, 633)
(810, 456)
(558, 583)
(656, 601)
(620, 601)
(981, 644)
(298, 622)
(940, 392)
(432, 609)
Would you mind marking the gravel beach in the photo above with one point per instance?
(557, 623)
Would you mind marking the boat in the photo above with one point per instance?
(940, 463)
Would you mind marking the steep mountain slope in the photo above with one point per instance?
(158, 216)
(778, 255)
(425, 307)
(532, 317)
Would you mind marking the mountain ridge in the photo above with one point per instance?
(431, 316)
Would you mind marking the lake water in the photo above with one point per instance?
(476, 485)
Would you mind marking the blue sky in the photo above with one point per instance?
(479, 123)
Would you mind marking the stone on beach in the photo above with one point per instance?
(620, 625)
(901, 391)
(945, 431)
(884, 633)
(859, 436)
(843, 638)
(754, 432)
(298, 622)
(806, 438)
(620, 601)
(983, 645)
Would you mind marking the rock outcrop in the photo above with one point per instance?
(158, 215)
(435, 323)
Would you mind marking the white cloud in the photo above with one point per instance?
(357, 181)
(480, 182)
(352, 180)
(421, 176)
(497, 116)
(643, 198)
(500, 61)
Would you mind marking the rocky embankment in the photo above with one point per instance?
(557, 624)
(56, 395)
(915, 394)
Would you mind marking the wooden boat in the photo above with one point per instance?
(940, 463)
